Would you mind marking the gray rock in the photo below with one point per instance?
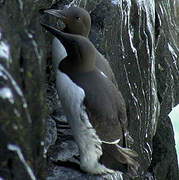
(129, 34)
(22, 92)
(139, 39)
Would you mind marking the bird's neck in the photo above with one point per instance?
(71, 65)
(67, 30)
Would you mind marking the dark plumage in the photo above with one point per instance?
(78, 21)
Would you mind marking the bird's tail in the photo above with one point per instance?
(128, 157)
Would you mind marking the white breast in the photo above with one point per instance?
(58, 53)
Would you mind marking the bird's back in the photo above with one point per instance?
(105, 105)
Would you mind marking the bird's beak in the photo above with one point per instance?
(51, 29)
(57, 13)
(65, 38)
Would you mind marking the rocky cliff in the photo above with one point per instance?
(139, 39)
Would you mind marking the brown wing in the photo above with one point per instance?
(107, 114)
(104, 104)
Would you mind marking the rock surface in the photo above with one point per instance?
(140, 40)
(22, 90)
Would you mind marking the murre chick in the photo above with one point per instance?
(95, 109)
(78, 21)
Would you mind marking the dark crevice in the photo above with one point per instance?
(21, 62)
(70, 165)
(61, 123)
(2, 2)
(49, 69)
(63, 127)
(10, 167)
(157, 27)
(159, 97)
(64, 138)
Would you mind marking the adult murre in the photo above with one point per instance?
(78, 21)
(100, 106)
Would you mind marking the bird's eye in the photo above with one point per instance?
(77, 18)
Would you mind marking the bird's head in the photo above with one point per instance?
(77, 20)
